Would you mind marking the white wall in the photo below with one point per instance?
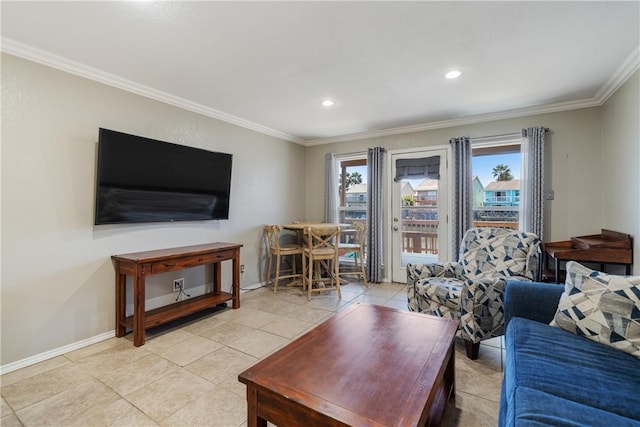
(573, 164)
(621, 163)
(57, 275)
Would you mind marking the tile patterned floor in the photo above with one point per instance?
(186, 375)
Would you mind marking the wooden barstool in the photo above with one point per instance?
(321, 245)
(279, 251)
(357, 249)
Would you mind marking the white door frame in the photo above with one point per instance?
(388, 223)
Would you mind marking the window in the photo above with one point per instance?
(352, 190)
(496, 182)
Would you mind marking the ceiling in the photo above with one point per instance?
(268, 65)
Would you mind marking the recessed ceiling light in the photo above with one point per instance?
(328, 103)
(453, 74)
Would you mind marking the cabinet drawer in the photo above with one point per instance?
(192, 261)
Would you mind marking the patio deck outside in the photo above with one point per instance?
(420, 227)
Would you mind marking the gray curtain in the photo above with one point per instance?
(533, 176)
(462, 213)
(374, 214)
(330, 189)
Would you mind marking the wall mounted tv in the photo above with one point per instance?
(146, 180)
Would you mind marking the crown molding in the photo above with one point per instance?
(461, 121)
(61, 63)
(629, 66)
(622, 74)
(626, 69)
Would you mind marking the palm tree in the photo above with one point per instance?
(502, 173)
(351, 178)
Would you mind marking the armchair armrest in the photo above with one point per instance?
(531, 300)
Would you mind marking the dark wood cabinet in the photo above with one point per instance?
(139, 265)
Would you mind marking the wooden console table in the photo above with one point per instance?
(608, 247)
(142, 264)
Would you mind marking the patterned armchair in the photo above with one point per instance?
(472, 289)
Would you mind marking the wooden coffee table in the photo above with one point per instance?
(366, 366)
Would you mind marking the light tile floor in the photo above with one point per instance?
(186, 375)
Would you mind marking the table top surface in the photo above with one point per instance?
(566, 251)
(303, 225)
(366, 363)
(151, 255)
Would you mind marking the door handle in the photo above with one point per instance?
(395, 228)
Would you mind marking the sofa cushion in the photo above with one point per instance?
(536, 408)
(601, 307)
(558, 363)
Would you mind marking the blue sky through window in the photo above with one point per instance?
(482, 166)
(360, 169)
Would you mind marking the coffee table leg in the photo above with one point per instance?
(451, 375)
(253, 420)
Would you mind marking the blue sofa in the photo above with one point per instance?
(555, 378)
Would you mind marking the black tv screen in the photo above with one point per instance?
(146, 180)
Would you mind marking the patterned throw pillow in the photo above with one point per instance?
(601, 307)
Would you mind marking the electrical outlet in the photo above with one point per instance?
(241, 268)
(178, 284)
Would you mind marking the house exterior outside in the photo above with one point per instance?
(500, 206)
(427, 193)
(406, 190)
(356, 195)
(355, 203)
(502, 193)
(477, 191)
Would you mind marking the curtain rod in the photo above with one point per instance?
(479, 138)
(524, 131)
(498, 138)
(355, 153)
(514, 135)
(545, 129)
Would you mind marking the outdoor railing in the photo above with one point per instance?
(420, 223)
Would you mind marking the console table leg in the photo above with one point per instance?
(235, 286)
(138, 310)
(217, 277)
(121, 294)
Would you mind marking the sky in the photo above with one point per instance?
(483, 165)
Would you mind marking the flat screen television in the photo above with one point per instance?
(145, 180)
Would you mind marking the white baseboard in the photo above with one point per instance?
(32, 360)
(252, 287)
